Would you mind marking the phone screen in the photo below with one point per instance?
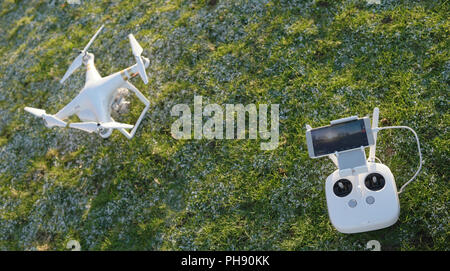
(339, 137)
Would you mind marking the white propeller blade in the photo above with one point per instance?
(137, 51)
(37, 112)
(75, 65)
(50, 120)
(115, 125)
(94, 126)
(135, 47)
(85, 126)
(79, 59)
(93, 38)
(141, 69)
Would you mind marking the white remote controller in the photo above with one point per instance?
(362, 202)
(361, 194)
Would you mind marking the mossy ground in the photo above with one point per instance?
(320, 60)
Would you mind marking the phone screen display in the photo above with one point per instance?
(339, 137)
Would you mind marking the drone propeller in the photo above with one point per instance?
(115, 125)
(95, 127)
(50, 120)
(137, 51)
(79, 59)
(35, 111)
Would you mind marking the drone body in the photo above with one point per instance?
(93, 104)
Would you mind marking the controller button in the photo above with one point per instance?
(352, 203)
(370, 200)
(374, 181)
(342, 188)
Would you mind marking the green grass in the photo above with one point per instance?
(320, 60)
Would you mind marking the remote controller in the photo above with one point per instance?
(361, 194)
(362, 202)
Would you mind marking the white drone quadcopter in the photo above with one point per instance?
(93, 104)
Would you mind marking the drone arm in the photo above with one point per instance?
(144, 100)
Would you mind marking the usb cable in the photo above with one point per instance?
(418, 148)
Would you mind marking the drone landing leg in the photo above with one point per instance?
(144, 100)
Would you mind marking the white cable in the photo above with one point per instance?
(378, 159)
(418, 147)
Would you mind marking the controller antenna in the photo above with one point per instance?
(376, 113)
